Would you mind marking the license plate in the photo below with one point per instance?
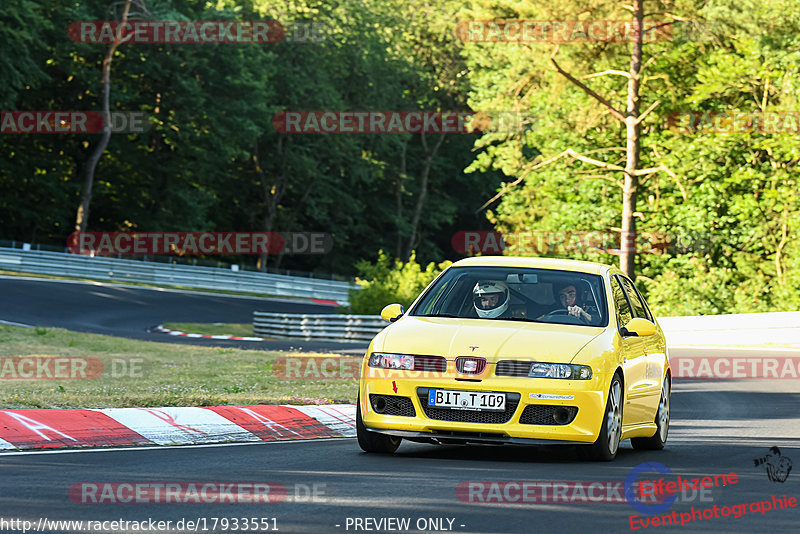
(467, 400)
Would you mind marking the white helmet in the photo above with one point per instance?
(489, 288)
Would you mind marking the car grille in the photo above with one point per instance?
(541, 414)
(461, 362)
(436, 364)
(393, 405)
(513, 368)
(469, 416)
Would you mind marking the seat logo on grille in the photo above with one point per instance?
(470, 365)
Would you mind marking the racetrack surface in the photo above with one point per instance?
(128, 311)
(717, 427)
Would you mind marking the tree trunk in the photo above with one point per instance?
(292, 218)
(398, 195)
(82, 217)
(423, 192)
(631, 187)
(273, 191)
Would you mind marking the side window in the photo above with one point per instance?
(435, 299)
(620, 302)
(646, 306)
(639, 309)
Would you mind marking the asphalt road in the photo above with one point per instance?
(127, 311)
(718, 427)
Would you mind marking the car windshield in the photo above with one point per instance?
(516, 294)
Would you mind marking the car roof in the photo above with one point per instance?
(533, 262)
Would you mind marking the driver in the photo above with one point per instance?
(490, 298)
(568, 296)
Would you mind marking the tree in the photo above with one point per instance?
(82, 217)
(728, 199)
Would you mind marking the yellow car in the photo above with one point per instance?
(518, 350)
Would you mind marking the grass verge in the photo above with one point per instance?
(164, 374)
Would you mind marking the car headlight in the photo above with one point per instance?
(392, 361)
(560, 370)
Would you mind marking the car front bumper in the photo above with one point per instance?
(588, 396)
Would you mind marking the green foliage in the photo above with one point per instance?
(212, 159)
(387, 282)
(740, 190)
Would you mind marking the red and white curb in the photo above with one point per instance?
(328, 302)
(49, 429)
(160, 328)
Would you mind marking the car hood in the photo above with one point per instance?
(490, 339)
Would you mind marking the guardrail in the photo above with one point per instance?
(170, 274)
(756, 330)
(318, 327)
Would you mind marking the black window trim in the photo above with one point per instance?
(651, 317)
(621, 327)
(638, 294)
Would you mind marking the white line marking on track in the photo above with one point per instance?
(10, 323)
(163, 447)
(723, 347)
(287, 299)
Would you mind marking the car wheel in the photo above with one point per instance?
(607, 444)
(659, 439)
(373, 441)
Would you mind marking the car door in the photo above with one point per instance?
(655, 345)
(633, 358)
(649, 390)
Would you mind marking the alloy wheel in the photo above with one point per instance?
(614, 416)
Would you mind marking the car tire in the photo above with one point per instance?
(374, 441)
(607, 444)
(659, 439)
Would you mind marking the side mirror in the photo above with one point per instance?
(392, 312)
(639, 327)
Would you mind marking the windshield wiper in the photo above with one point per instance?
(450, 315)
